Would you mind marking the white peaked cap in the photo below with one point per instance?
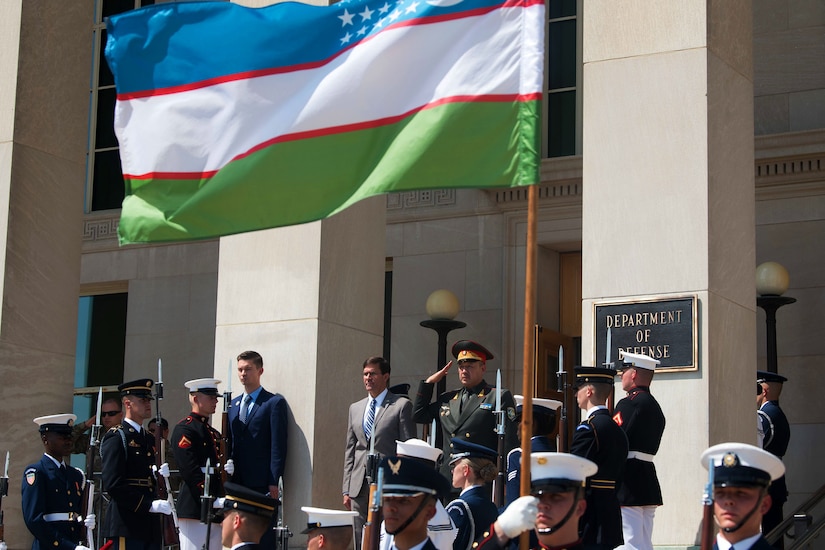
(560, 466)
(417, 448)
(61, 419)
(320, 518)
(539, 402)
(732, 457)
(203, 385)
(638, 360)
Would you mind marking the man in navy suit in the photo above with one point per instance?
(258, 429)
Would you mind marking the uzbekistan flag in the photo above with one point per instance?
(234, 119)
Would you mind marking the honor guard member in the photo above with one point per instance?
(53, 490)
(600, 440)
(411, 491)
(329, 529)
(776, 436)
(245, 516)
(469, 412)
(545, 429)
(741, 476)
(552, 510)
(474, 468)
(194, 442)
(643, 422)
(128, 455)
(440, 527)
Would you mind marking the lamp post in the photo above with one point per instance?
(442, 307)
(771, 283)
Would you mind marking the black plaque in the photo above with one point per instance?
(663, 329)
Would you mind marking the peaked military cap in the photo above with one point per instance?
(638, 360)
(400, 389)
(405, 476)
(742, 465)
(57, 423)
(558, 472)
(467, 449)
(418, 449)
(206, 386)
(242, 499)
(321, 518)
(594, 375)
(138, 388)
(467, 349)
(765, 376)
(540, 405)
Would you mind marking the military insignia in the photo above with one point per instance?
(511, 413)
(445, 410)
(134, 443)
(617, 418)
(487, 406)
(30, 476)
(730, 460)
(481, 395)
(394, 467)
(541, 461)
(148, 383)
(184, 442)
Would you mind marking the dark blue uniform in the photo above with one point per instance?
(600, 440)
(538, 444)
(193, 442)
(643, 422)
(128, 457)
(472, 513)
(52, 502)
(777, 436)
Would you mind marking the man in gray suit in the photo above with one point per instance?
(373, 426)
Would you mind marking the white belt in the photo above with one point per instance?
(639, 455)
(211, 470)
(62, 516)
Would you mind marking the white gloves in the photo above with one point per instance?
(229, 467)
(3, 545)
(90, 522)
(520, 516)
(78, 547)
(218, 503)
(161, 507)
(164, 469)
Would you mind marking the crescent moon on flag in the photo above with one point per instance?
(444, 3)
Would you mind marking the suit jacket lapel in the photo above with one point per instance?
(388, 400)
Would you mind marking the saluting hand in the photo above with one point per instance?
(435, 378)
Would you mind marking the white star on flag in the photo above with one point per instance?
(366, 14)
(346, 38)
(412, 8)
(384, 9)
(346, 18)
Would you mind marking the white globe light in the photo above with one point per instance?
(772, 279)
(442, 304)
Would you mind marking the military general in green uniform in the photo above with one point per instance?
(469, 412)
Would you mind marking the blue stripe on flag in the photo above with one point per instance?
(180, 44)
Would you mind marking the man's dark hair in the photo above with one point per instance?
(252, 356)
(382, 363)
(113, 401)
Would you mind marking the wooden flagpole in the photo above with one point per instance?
(529, 348)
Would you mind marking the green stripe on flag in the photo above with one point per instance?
(463, 145)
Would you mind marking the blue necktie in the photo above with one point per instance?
(370, 420)
(244, 412)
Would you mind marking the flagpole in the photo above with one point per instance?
(529, 348)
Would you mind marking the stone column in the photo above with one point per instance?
(669, 211)
(309, 299)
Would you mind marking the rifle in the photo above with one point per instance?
(561, 382)
(706, 541)
(224, 446)
(94, 443)
(282, 532)
(501, 477)
(169, 525)
(206, 507)
(372, 528)
(4, 491)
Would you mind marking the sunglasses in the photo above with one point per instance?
(109, 413)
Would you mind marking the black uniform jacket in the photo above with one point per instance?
(490, 542)
(475, 422)
(128, 456)
(599, 439)
(49, 490)
(643, 422)
(193, 442)
(472, 514)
